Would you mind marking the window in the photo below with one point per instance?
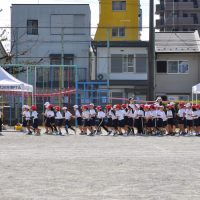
(32, 27)
(178, 97)
(122, 63)
(185, 15)
(141, 63)
(173, 67)
(161, 66)
(118, 32)
(118, 5)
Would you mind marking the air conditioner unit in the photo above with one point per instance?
(102, 76)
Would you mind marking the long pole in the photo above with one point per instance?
(151, 71)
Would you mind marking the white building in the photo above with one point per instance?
(125, 65)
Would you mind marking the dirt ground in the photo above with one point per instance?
(97, 168)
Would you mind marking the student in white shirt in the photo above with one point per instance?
(181, 118)
(92, 117)
(101, 120)
(120, 117)
(86, 120)
(78, 118)
(27, 119)
(35, 123)
(58, 119)
(68, 117)
(189, 118)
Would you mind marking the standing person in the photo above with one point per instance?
(181, 118)
(86, 120)
(78, 118)
(108, 123)
(189, 119)
(35, 122)
(130, 122)
(101, 118)
(58, 119)
(170, 120)
(120, 117)
(68, 117)
(1, 116)
(45, 117)
(50, 119)
(27, 119)
(92, 117)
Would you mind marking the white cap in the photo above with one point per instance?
(46, 103)
(75, 106)
(172, 103)
(64, 108)
(91, 104)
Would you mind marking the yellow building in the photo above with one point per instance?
(119, 20)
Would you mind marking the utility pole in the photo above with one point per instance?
(151, 52)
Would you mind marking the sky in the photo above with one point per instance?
(94, 7)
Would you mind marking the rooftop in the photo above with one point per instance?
(177, 42)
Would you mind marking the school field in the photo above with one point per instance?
(99, 168)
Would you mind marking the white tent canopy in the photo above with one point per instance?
(196, 89)
(10, 83)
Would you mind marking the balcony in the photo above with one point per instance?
(179, 6)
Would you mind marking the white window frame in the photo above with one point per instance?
(178, 69)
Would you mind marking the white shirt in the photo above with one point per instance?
(86, 114)
(92, 113)
(189, 114)
(163, 115)
(181, 112)
(50, 114)
(68, 115)
(169, 114)
(195, 114)
(101, 115)
(130, 113)
(147, 114)
(119, 114)
(58, 115)
(34, 114)
(27, 115)
(1, 114)
(113, 116)
(77, 113)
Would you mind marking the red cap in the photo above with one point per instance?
(123, 106)
(98, 107)
(33, 107)
(108, 106)
(194, 106)
(50, 106)
(57, 108)
(118, 106)
(84, 107)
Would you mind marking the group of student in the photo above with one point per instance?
(125, 119)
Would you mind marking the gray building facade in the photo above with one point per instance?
(51, 34)
(177, 64)
(178, 15)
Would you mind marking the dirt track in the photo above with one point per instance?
(97, 168)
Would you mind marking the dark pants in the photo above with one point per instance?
(0, 125)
